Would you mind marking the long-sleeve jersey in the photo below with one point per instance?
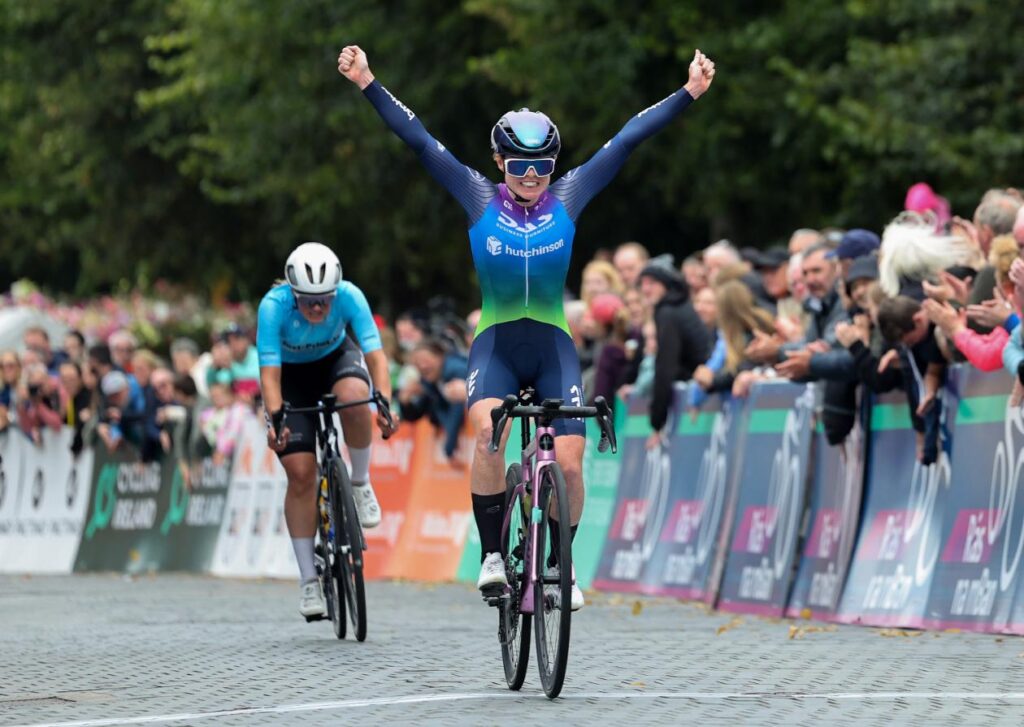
(522, 253)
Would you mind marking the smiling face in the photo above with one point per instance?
(528, 189)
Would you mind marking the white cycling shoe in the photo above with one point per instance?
(367, 506)
(492, 573)
(576, 600)
(311, 600)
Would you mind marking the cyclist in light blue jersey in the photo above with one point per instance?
(521, 234)
(305, 351)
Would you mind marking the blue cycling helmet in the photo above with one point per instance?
(525, 133)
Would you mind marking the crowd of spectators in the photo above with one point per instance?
(113, 393)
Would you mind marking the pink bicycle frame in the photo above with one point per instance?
(534, 460)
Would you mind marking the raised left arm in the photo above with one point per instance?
(578, 186)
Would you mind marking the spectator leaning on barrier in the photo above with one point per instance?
(629, 259)
(158, 394)
(738, 319)
(982, 350)
(121, 418)
(814, 356)
(37, 403)
(995, 215)
(904, 324)
(76, 402)
(182, 420)
(683, 340)
(440, 392)
(863, 340)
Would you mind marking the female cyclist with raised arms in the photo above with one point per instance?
(304, 353)
(521, 236)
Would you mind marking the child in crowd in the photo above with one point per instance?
(222, 423)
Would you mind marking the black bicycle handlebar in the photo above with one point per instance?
(383, 405)
(550, 410)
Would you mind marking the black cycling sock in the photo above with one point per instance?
(489, 512)
(555, 531)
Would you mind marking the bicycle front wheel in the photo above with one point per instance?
(514, 626)
(348, 535)
(553, 595)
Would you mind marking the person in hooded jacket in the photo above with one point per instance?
(684, 342)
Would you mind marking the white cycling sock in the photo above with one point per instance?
(360, 457)
(304, 555)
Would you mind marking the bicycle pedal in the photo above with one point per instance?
(311, 619)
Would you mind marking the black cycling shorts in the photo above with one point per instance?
(304, 384)
(508, 357)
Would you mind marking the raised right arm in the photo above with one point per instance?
(472, 190)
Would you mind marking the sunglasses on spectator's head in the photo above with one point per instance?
(311, 301)
(516, 167)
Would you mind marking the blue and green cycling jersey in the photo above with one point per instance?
(283, 335)
(522, 253)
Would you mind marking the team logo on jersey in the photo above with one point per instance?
(527, 227)
(494, 245)
(471, 382)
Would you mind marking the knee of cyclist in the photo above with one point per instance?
(302, 482)
(352, 389)
(483, 441)
(573, 472)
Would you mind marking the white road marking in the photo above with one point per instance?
(427, 698)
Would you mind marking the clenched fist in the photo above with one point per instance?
(702, 72)
(352, 64)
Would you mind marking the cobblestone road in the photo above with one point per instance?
(97, 650)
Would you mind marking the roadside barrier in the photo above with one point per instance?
(745, 506)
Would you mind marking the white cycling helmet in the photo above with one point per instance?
(312, 269)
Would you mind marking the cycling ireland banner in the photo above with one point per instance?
(143, 517)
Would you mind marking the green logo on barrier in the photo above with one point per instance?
(178, 506)
(104, 501)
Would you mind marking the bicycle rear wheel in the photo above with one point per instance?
(553, 601)
(348, 535)
(513, 626)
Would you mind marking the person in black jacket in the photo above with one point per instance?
(684, 342)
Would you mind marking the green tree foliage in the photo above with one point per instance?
(199, 140)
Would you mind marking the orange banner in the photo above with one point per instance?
(438, 510)
(391, 472)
